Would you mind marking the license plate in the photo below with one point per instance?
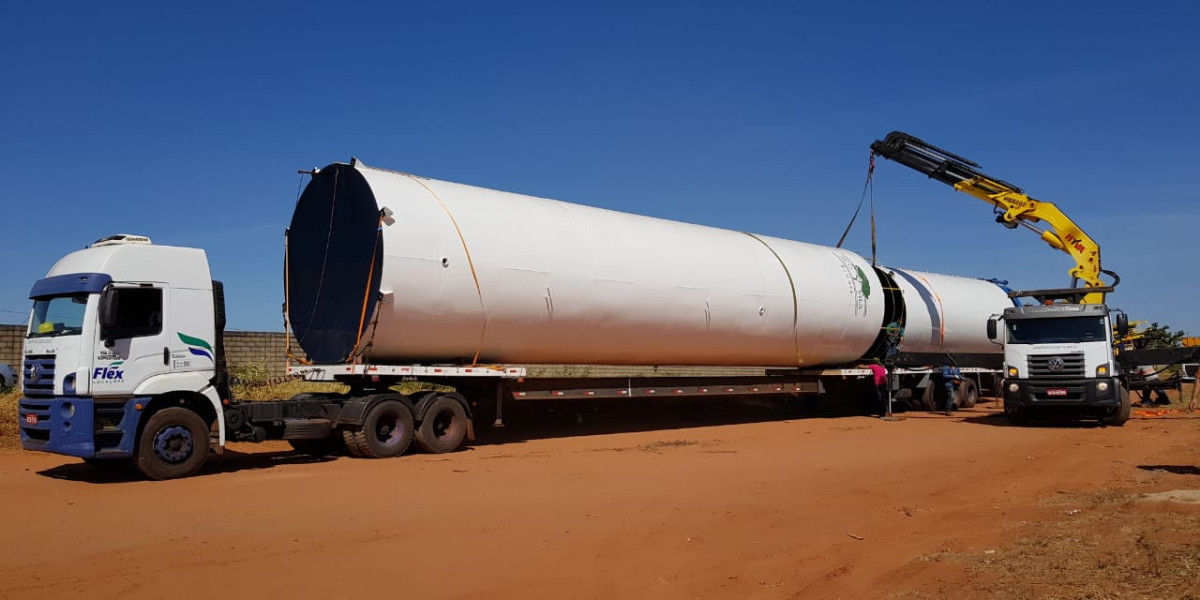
(1060, 392)
(31, 419)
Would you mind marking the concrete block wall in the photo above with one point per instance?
(11, 338)
(259, 348)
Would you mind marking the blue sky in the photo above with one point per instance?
(188, 124)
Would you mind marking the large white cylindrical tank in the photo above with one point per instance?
(393, 267)
(944, 313)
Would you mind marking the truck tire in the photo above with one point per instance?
(1017, 415)
(1119, 415)
(387, 430)
(350, 439)
(444, 427)
(968, 393)
(173, 444)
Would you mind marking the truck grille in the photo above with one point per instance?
(1056, 366)
(38, 375)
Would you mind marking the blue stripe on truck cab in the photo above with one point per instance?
(73, 283)
(79, 427)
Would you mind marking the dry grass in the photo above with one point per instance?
(8, 418)
(1119, 549)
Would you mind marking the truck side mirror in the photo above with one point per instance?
(1122, 325)
(991, 329)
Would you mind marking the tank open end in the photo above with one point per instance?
(332, 239)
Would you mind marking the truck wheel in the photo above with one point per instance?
(444, 427)
(387, 430)
(173, 444)
(968, 393)
(350, 439)
(1017, 415)
(1119, 415)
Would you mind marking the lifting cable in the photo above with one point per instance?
(868, 188)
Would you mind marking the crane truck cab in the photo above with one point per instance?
(123, 343)
(1059, 358)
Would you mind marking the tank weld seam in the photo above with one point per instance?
(470, 263)
(795, 301)
(941, 310)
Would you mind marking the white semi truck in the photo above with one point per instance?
(391, 277)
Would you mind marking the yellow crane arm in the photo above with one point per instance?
(1013, 207)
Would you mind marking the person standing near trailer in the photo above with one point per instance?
(879, 372)
(951, 377)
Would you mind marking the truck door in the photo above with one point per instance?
(133, 336)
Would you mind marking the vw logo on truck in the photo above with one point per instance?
(1056, 364)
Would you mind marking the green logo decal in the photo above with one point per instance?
(862, 279)
(197, 346)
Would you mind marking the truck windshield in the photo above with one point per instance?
(1050, 331)
(60, 315)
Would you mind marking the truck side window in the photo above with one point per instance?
(139, 312)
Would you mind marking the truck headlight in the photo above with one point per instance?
(1101, 386)
(1012, 387)
(1102, 371)
(1012, 371)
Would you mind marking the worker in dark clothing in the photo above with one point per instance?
(951, 377)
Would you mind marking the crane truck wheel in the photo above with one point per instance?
(387, 430)
(444, 427)
(968, 393)
(173, 444)
(1119, 415)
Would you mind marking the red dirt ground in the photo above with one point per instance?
(717, 502)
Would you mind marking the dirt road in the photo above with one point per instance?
(850, 507)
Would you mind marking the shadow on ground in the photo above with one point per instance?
(1176, 469)
(228, 462)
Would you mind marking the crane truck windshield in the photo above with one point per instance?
(58, 315)
(1057, 331)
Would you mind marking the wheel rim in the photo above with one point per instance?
(443, 424)
(173, 444)
(389, 429)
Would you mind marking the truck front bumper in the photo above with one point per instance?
(1070, 393)
(78, 426)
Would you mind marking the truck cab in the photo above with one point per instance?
(1059, 358)
(120, 332)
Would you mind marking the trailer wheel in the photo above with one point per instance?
(387, 430)
(444, 427)
(173, 444)
(968, 393)
(1119, 415)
